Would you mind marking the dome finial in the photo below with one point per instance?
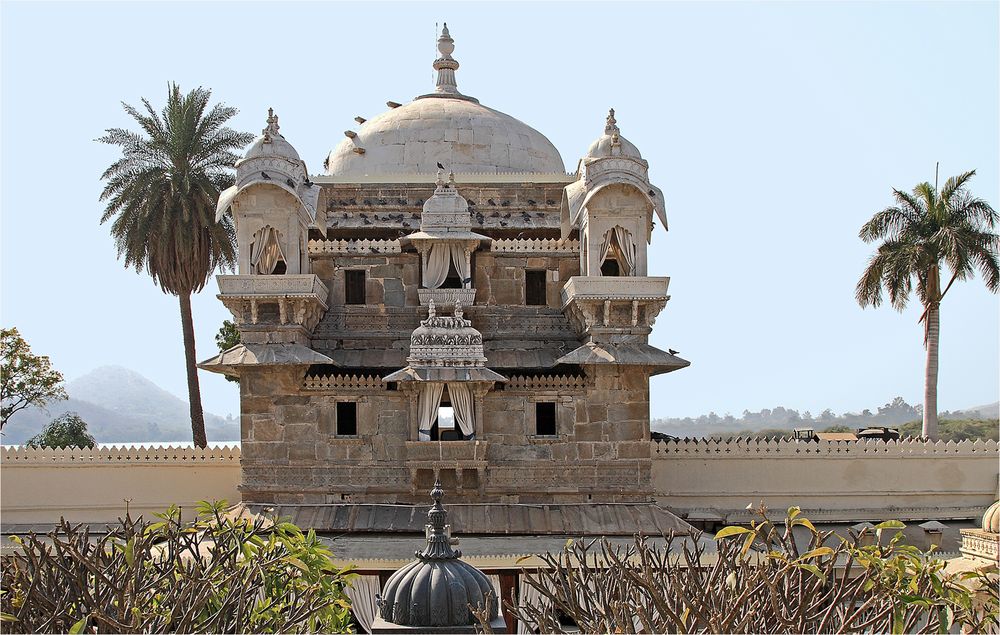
(611, 127)
(438, 543)
(272, 126)
(445, 65)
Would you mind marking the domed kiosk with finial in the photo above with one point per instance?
(434, 593)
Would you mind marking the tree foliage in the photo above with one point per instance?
(228, 337)
(68, 430)
(760, 581)
(925, 233)
(161, 196)
(26, 379)
(222, 573)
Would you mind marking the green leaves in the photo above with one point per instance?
(733, 530)
(78, 627)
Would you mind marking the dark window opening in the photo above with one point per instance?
(280, 268)
(354, 287)
(534, 288)
(347, 419)
(453, 281)
(610, 268)
(545, 418)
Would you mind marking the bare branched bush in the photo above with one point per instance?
(217, 574)
(758, 581)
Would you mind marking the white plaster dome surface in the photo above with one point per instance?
(444, 127)
(462, 135)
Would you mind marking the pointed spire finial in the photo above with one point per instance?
(611, 127)
(272, 126)
(451, 179)
(438, 543)
(445, 64)
(430, 309)
(440, 178)
(458, 308)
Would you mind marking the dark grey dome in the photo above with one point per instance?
(437, 588)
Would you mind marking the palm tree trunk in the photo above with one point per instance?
(930, 429)
(194, 392)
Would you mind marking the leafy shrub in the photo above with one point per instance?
(219, 574)
(68, 430)
(760, 582)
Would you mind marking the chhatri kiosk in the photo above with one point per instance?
(446, 303)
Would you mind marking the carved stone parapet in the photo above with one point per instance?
(543, 246)
(614, 309)
(279, 301)
(353, 247)
(445, 298)
(980, 544)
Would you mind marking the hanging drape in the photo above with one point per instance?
(461, 264)
(528, 596)
(362, 592)
(436, 261)
(618, 244)
(626, 247)
(265, 252)
(428, 403)
(605, 247)
(495, 581)
(461, 401)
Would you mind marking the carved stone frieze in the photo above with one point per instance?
(289, 300)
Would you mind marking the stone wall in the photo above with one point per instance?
(292, 454)
(834, 481)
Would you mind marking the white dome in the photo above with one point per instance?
(273, 146)
(460, 133)
(611, 143)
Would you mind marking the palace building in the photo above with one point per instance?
(446, 302)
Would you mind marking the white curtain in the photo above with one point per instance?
(605, 248)
(362, 592)
(428, 403)
(265, 252)
(461, 264)
(527, 596)
(626, 247)
(461, 401)
(495, 581)
(435, 261)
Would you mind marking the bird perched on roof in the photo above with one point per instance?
(360, 119)
(672, 351)
(440, 167)
(265, 175)
(290, 183)
(393, 104)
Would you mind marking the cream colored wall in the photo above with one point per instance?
(39, 485)
(829, 480)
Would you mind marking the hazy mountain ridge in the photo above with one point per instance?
(120, 405)
(894, 413)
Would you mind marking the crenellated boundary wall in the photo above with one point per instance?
(38, 486)
(833, 481)
(701, 479)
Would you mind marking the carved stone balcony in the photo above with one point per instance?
(614, 309)
(260, 303)
(445, 298)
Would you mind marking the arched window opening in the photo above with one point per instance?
(618, 253)
(266, 257)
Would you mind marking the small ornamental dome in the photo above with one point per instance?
(437, 588)
(991, 519)
(271, 143)
(611, 143)
(446, 341)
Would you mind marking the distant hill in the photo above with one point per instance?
(121, 406)
(894, 413)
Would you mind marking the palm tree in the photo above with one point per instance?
(921, 231)
(162, 193)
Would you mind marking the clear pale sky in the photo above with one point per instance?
(774, 129)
